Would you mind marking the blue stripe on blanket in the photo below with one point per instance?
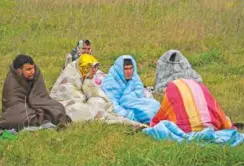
(166, 130)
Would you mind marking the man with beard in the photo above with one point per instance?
(25, 100)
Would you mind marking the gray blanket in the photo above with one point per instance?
(173, 65)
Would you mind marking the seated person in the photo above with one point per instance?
(173, 65)
(77, 88)
(124, 88)
(191, 107)
(82, 47)
(25, 100)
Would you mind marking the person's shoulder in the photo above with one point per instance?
(70, 69)
(72, 64)
(10, 83)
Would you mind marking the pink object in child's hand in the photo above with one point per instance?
(97, 81)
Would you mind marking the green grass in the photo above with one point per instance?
(208, 32)
(101, 144)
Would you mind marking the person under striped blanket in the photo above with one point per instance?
(190, 105)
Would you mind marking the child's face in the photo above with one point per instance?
(93, 71)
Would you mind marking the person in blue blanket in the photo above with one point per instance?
(125, 89)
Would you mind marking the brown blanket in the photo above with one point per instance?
(28, 104)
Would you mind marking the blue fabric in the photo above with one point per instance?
(128, 96)
(167, 130)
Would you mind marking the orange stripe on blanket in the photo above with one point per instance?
(166, 112)
(170, 110)
(226, 122)
(189, 104)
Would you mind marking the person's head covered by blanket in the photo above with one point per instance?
(125, 89)
(25, 100)
(88, 66)
(173, 65)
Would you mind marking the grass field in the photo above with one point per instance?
(208, 32)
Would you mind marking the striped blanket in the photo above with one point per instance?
(191, 107)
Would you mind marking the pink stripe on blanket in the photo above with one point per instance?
(200, 101)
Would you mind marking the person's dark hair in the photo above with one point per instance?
(22, 59)
(127, 62)
(87, 42)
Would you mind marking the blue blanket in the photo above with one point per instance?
(167, 130)
(128, 96)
